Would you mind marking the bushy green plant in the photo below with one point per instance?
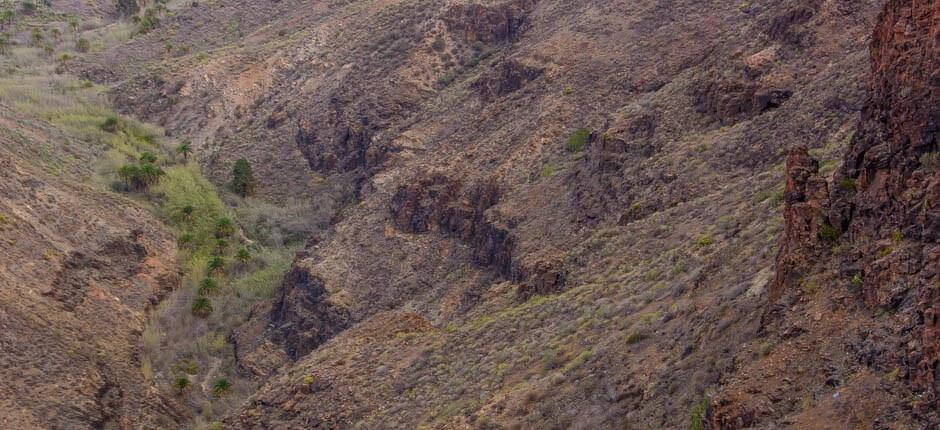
(202, 307)
(181, 385)
(578, 140)
(243, 255)
(243, 179)
(208, 287)
(224, 227)
(111, 124)
(829, 233)
(216, 264)
(221, 387)
(699, 414)
(184, 149)
(148, 157)
(847, 184)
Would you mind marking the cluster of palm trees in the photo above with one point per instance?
(142, 175)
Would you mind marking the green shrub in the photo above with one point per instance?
(181, 384)
(220, 246)
(221, 387)
(111, 124)
(216, 264)
(224, 227)
(635, 337)
(184, 149)
(187, 210)
(578, 140)
(857, 280)
(148, 157)
(243, 255)
(243, 179)
(699, 414)
(847, 184)
(705, 240)
(202, 307)
(829, 233)
(186, 239)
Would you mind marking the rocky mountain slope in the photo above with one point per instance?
(79, 270)
(568, 214)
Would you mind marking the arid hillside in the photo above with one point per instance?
(545, 214)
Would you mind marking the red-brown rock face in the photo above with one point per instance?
(884, 197)
(888, 201)
(807, 204)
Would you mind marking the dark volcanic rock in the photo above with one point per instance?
(302, 317)
(488, 24)
(506, 78)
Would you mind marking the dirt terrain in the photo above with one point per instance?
(530, 213)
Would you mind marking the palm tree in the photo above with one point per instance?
(202, 307)
(216, 264)
(181, 384)
(224, 227)
(221, 387)
(208, 286)
(129, 173)
(243, 255)
(184, 149)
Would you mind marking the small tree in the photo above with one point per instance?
(243, 179)
(184, 149)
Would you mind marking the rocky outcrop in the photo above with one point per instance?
(438, 203)
(488, 24)
(883, 199)
(805, 221)
(302, 316)
(729, 101)
(509, 76)
(888, 204)
(786, 26)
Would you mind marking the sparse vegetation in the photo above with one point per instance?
(931, 160)
(847, 184)
(699, 413)
(829, 233)
(578, 140)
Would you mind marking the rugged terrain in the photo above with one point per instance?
(556, 214)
